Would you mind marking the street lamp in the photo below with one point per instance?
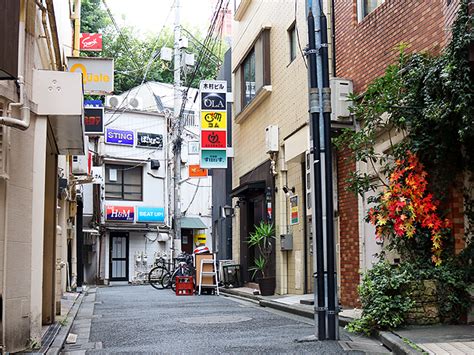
(228, 211)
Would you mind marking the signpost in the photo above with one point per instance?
(213, 124)
(97, 73)
(120, 213)
(150, 214)
(91, 42)
(118, 136)
(94, 120)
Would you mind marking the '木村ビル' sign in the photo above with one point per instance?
(213, 101)
(149, 140)
(118, 136)
(120, 213)
(91, 42)
(94, 120)
(150, 214)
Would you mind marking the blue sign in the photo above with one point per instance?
(150, 214)
(93, 103)
(118, 136)
(213, 159)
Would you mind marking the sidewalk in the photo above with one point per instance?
(438, 339)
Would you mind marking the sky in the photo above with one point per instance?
(149, 16)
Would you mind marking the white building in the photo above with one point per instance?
(136, 193)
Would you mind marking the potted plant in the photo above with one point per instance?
(262, 239)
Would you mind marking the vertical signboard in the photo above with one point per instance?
(294, 215)
(213, 143)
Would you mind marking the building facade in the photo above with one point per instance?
(39, 129)
(128, 212)
(367, 34)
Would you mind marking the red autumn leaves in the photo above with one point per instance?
(406, 208)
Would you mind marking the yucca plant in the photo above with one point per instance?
(262, 238)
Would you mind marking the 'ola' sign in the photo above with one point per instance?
(97, 73)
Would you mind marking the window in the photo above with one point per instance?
(253, 72)
(123, 182)
(292, 41)
(365, 7)
(249, 77)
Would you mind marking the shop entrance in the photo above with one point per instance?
(187, 240)
(119, 256)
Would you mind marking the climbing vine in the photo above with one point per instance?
(422, 104)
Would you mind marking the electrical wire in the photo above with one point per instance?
(194, 196)
(298, 35)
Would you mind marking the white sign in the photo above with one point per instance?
(193, 148)
(97, 73)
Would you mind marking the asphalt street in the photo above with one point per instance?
(133, 319)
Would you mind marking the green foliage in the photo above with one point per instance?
(132, 53)
(262, 239)
(94, 19)
(384, 299)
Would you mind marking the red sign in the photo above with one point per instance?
(197, 171)
(214, 139)
(91, 42)
(120, 213)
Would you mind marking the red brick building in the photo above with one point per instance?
(366, 34)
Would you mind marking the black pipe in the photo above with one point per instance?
(315, 118)
(330, 248)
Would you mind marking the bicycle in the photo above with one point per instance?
(156, 274)
(185, 268)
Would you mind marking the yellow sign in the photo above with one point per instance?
(214, 120)
(97, 73)
(200, 239)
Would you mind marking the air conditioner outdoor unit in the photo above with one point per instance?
(271, 139)
(80, 164)
(340, 103)
(113, 101)
(135, 103)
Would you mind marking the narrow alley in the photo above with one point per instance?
(141, 319)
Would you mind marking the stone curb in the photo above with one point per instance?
(389, 339)
(60, 338)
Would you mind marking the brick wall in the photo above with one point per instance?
(456, 215)
(364, 49)
(349, 231)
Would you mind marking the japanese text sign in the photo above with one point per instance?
(213, 139)
(213, 120)
(195, 171)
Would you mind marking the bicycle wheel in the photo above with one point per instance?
(155, 277)
(166, 280)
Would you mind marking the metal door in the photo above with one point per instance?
(118, 256)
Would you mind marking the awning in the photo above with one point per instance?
(90, 230)
(247, 188)
(192, 223)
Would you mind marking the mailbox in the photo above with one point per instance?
(286, 241)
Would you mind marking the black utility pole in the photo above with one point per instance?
(323, 230)
(330, 245)
(320, 308)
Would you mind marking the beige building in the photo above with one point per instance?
(271, 137)
(40, 123)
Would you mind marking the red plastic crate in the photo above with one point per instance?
(184, 286)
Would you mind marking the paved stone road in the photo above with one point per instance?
(136, 319)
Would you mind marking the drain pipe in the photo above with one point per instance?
(20, 123)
